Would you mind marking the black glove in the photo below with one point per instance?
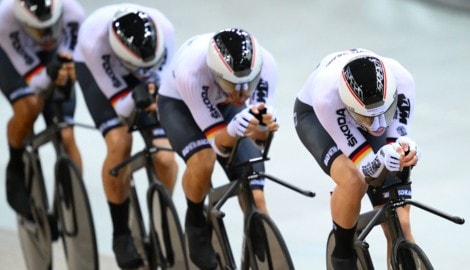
(259, 116)
(141, 96)
(53, 67)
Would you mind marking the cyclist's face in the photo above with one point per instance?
(376, 125)
(48, 38)
(238, 93)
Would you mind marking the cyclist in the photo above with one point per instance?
(121, 52)
(37, 39)
(354, 115)
(202, 106)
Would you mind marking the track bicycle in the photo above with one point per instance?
(160, 243)
(405, 255)
(69, 217)
(263, 246)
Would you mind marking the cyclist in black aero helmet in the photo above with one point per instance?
(208, 99)
(122, 51)
(37, 39)
(354, 115)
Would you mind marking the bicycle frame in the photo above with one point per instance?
(144, 160)
(218, 197)
(388, 215)
(62, 220)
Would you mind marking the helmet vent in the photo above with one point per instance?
(365, 77)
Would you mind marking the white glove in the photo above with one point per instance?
(389, 157)
(270, 109)
(239, 123)
(411, 145)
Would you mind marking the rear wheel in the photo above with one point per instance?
(266, 245)
(75, 220)
(166, 229)
(35, 235)
(410, 256)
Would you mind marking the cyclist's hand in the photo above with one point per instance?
(69, 66)
(411, 150)
(266, 117)
(56, 70)
(142, 98)
(242, 124)
(389, 156)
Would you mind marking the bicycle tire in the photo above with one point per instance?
(35, 236)
(266, 245)
(409, 256)
(166, 228)
(75, 219)
(363, 262)
(136, 224)
(221, 244)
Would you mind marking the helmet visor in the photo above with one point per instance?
(242, 89)
(375, 122)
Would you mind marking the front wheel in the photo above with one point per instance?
(363, 262)
(266, 245)
(409, 256)
(75, 221)
(166, 229)
(36, 236)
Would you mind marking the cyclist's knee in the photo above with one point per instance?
(25, 112)
(118, 141)
(28, 108)
(202, 160)
(166, 159)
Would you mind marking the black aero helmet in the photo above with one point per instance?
(234, 56)
(136, 39)
(41, 18)
(368, 90)
(366, 86)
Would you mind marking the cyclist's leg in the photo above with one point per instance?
(68, 137)
(26, 108)
(118, 144)
(350, 186)
(192, 146)
(165, 164)
(378, 199)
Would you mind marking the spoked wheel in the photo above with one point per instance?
(266, 245)
(410, 256)
(166, 229)
(35, 235)
(363, 262)
(75, 220)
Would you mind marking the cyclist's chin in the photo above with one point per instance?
(377, 132)
(49, 46)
